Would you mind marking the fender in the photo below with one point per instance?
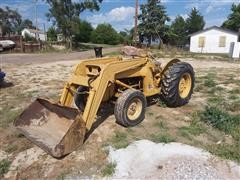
(170, 63)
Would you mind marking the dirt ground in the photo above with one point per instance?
(31, 76)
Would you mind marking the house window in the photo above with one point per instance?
(201, 42)
(222, 41)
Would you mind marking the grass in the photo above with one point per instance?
(195, 128)
(221, 120)
(8, 115)
(119, 140)
(162, 138)
(209, 83)
(114, 53)
(161, 125)
(109, 170)
(229, 124)
(4, 166)
(226, 151)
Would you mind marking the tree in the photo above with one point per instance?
(65, 14)
(26, 23)
(195, 22)
(178, 35)
(152, 20)
(125, 37)
(233, 21)
(83, 32)
(105, 34)
(52, 34)
(10, 21)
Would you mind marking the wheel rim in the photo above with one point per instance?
(185, 85)
(134, 109)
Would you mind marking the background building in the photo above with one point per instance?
(213, 40)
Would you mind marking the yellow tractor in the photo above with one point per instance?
(60, 128)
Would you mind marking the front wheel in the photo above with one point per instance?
(177, 84)
(130, 108)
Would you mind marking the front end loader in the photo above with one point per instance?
(60, 128)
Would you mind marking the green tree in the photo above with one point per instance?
(52, 34)
(178, 35)
(195, 22)
(83, 32)
(65, 14)
(124, 37)
(27, 23)
(233, 21)
(152, 20)
(10, 21)
(105, 34)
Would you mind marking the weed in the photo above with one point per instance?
(61, 176)
(196, 128)
(215, 100)
(182, 132)
(221, 120)
(119, 140)
(161, 125)
(150, 113)
(235, 91)
(226, 151)
(198, 88)
(8, 114)
(11, 148)
(4, 166)
(160, 103)
(209, 80)
(162, 138)
(233, 96)
(109, 170)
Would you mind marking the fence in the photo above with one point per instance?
(21, 46)
(18, 41)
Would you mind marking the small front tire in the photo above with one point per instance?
(130, 108)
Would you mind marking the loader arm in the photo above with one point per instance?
(98, 87)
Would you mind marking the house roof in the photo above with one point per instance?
(217, 28)
(34, 31)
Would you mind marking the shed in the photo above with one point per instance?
(213, 40)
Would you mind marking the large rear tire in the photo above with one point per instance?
(177, 84)
(130, 108)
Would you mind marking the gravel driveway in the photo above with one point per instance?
(50, 57)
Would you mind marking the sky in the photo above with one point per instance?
(120, 13)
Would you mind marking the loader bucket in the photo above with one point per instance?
(56, 129)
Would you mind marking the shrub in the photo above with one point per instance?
(4, 166)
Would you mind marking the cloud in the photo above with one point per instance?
(209, 6)
(121, 17)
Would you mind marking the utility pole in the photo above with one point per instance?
(36, 18)
(135, 38)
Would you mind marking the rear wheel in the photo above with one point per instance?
(177, 84)
(130, 108)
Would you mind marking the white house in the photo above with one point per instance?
(154, 41)
(34, 33)
(213, 40)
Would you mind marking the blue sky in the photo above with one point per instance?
(120, 13)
